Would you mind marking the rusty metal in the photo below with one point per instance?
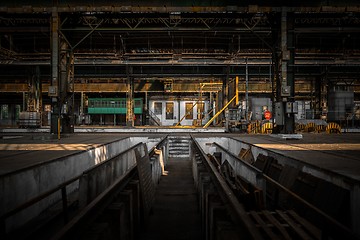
(237, 210)
(333, 224)
(93, 208)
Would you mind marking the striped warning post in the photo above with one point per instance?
(310, 127)
(267, 128)
(258, 127)
(300, 127)
(320, 128)
(251, 128)
(254, 127)
(333, 128)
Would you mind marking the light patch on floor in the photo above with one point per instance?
(52, 147)
(305, 147)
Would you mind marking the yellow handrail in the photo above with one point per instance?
(218, 113)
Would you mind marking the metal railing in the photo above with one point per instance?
(108, 164)
(330, 221)
(236, 209)
(154, 117)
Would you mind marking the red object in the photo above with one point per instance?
(267, 115)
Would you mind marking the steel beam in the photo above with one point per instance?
(115, 8)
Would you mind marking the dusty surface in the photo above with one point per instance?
(175, 213)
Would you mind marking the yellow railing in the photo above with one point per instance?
(219, 112)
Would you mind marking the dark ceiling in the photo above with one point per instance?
(185, 43)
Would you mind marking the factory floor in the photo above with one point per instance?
(175, 214)
(338, 153)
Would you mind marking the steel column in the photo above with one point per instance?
(290, 118)
(287, 70)
(318, 98)
(129, 98)
(55, 113)
(247, 92)
(225, 88)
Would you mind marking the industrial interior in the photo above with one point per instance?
(180, 119)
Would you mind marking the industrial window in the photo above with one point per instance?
(17, 111)
(122, 103)
(189, 110)
(137, 103)
(4, 111)
(200, 109)
(158, 108)
(169, 110)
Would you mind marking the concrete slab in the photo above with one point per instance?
(20, 153)
(104, 129)
(287, 136)
(339, 153)
(175, 212)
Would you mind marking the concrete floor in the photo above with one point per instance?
(339, 153)
(19, 152)
(334, 152)
(175, 214)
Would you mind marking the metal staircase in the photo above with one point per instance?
(154, 119)
(179, 146)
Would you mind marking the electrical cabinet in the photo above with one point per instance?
(279, 113)
(291, 107)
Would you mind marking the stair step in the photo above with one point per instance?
(179, 146)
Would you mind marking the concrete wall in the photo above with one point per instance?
(234, 146)
(19, 187)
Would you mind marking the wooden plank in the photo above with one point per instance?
(277, 224)
(310, 227)
(293, 225)
(263, 225)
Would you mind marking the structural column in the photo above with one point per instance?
(289, 107)
(225, 89)
(129, 97)
(54, 86)
(318, 97)
(61, 90)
